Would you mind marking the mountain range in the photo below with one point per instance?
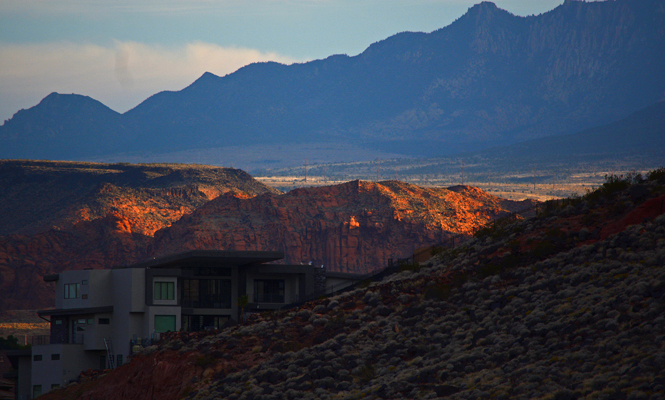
(490, 78)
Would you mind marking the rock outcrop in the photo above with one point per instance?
(104, 215)
(36, 196)
(69, 215)
(353, 227)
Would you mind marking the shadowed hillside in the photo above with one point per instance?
(566, 305)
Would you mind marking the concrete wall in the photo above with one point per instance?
(24, 384)
(97, 290)
(96, 332)
(129, 309)
(72, 360)
(128, 290)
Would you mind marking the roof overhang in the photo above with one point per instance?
(14, 355)
(75, 311)
(219, 258)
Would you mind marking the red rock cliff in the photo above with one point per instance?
(353, 227)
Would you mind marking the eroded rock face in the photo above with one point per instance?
(97, 244)
(353, 227)
(72, 215)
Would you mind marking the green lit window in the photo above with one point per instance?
(164, 291)
(164, 323)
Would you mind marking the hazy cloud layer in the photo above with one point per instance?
(120, 76)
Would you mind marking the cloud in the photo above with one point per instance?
(120, 76)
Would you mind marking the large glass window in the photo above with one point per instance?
(192, 323)
(206, 293)
(164, 323)
(164, 291)
(269, 291)
(72, 290)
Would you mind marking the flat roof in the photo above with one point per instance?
(219, 258)
(75, 311)
(347, 275)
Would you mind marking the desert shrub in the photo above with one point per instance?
(366, 373)
(543, 249)
(204, 361)
(495, 229)
(439, 292)
(489, 269)
(409, 266)
(656, 175)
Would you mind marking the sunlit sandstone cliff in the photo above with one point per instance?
(353, 227)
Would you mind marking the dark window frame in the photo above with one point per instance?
(269, 291)
(72, 290)
(163, 290)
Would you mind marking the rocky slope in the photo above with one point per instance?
(65, 215)
(353, 227)
(40, 195)
(534, 309)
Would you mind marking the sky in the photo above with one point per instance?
(120, 52)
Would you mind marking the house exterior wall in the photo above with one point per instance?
(95, 293)
(72, 359)
(24, 383)
(123, 300)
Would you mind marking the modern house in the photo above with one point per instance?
(101, 315)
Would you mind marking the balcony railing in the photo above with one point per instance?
(37, 340)
(268, 298)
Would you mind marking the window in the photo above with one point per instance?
(269, 291)
(55, 385)
(119, 360)
(104, 321)
(91, 321)
(206, 293)
(192, 323)
(58, 322)
(72, 290)
(55, 357)
(37, 357)
(164, 323)
(36, 391)
(164, 291)
(84, 282)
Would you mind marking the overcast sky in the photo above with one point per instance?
(122, 51)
